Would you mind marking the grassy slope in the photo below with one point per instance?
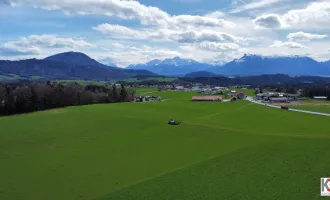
(127, 151)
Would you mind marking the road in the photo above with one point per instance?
(291, 109)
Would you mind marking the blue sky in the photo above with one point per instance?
(128, 32)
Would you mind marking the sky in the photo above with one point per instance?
(125, 32)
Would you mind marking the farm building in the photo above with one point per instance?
(196, 89)
(179, 88)
(320, 98)
(233, 93)
(264, 96)
(147, 98)
(207, 98)
(240, 95)
(292, 96)
(278, 99)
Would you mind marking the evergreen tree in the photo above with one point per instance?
(115, 93)
(123, 93)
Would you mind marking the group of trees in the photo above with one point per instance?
(25, 98)
(316, 91)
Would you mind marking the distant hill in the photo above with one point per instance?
(76, 59)
(172, 66)
(69, 65)
(257, 65)
(200, 74)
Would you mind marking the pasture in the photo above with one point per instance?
(317, 108)
(125, 151)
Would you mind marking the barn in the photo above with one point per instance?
(206, 98)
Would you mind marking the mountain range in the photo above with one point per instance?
(247, 65)
(172, 66)
(76, 65)
(68, 65)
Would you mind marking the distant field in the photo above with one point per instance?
(323, 109)
(232, 151)
(148, 79)
(82, 82)
(9, 77)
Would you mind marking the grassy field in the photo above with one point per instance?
(125, 151)
(323, 109)
(136, 80)
(82, 82)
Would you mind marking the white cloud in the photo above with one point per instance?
(125, 9)
(33, 44)
(302, 36)
(180, 36)
(130, 54)
(315, 15)
(253, 5)
(9, 49)
(292, 45)
(218, 47)
(121, 31)
(208, 55)
(48, 41)
(215, 14)
(269, 21)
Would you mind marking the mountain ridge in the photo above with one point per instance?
(67, 65)
(248, 64)
(172, 66)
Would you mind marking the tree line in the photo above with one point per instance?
(16, 99)
(316, 91)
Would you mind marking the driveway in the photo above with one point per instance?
(291, 109)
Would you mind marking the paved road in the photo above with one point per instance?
(291, 109)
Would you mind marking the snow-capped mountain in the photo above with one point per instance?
(256, 65)
(108, 62)
(247, 65)
(172, 66)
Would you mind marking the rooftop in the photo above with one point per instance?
(206, 98)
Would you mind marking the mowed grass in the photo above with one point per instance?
(233, 150)
(322, 109)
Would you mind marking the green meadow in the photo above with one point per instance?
(235, 150)
(322, 109)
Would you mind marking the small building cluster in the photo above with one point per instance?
(147, 98)
(278, 97)
(237, 95)
(322, 98)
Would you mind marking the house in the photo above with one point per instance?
(320, 98)
(179, 87)
(264, 96)
(233, 93)
(240, 95)
(278, 100)
(292, 97)
(196, 89)
(206, 98)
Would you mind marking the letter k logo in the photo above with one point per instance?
(324, 184)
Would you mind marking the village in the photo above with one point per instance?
(274, 97)
(207, 93)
